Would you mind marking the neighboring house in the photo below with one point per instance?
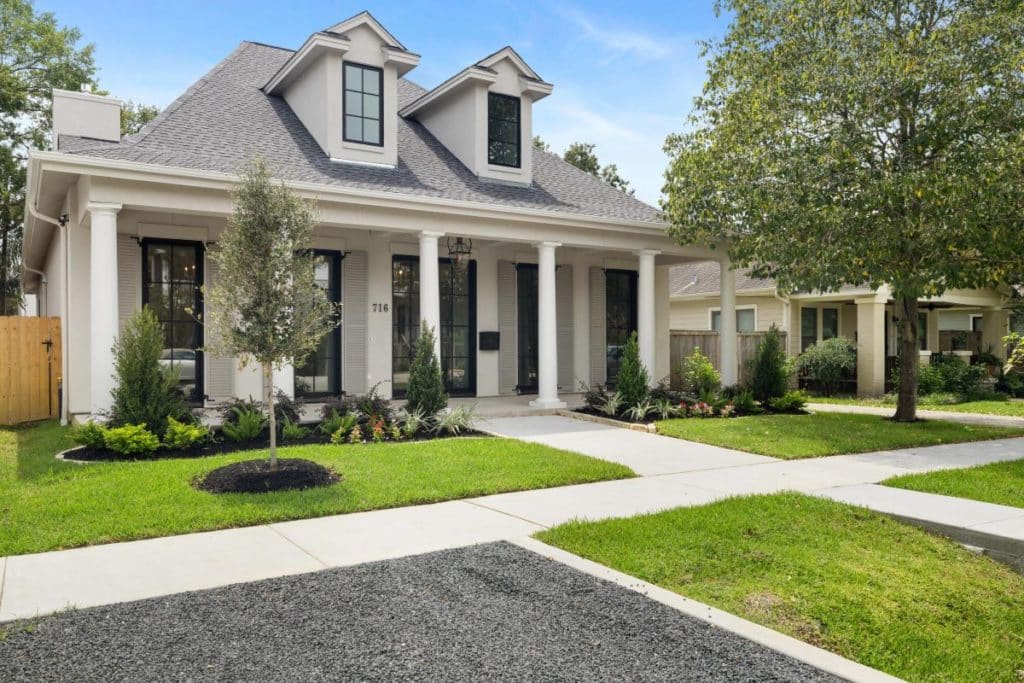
(959, 321)
(434, 205)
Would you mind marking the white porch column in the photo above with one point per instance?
(995, 324)
(430, 286)
(646, 335)
(727, 334)
(103, 310)
(871, 345)
(547, 332)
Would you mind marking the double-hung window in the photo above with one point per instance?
(503, 130)
(364, 104)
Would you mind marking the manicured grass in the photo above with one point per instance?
(1001, 483)
(811, 436)
(854, 582)
(1004, 408)
(46, 504)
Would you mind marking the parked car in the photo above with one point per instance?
(182, 359)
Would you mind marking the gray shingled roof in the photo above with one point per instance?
(692, 279)
(225, 119)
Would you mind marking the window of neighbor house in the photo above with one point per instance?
(922, 330)
(829, 323)
(744, 320)
(503, 130)
(808, 327)
(364, 104)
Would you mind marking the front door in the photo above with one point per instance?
(458, 323)
(526, 324)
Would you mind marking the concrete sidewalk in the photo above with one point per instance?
(674, 473)
(924, 414)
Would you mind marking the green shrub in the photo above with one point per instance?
(790, 402)
(145, 392)
(374, 406)
(769, 377)
(594, 396)
(131, 439)
(184, 434)
(666, 409)
(455, 421)
(426, 392)
(612, 405)
(929, 380)
(699, 375)
(958, 377)
(346, 424)
(827, 362)
(285, 408)
(640, 411)
(91, 435)
(744, 403)
(332, 421)
(293, 431)
(248, 424)
(633, 382)
(338, 405)
(410, 423)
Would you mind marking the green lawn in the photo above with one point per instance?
(843, 578)
(810, 436)
(46, 504)
(1004, 408)
(1001, 483)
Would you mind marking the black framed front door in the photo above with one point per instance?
(526, 328)
(620, 317)
(458, 323)
(320, 376)
(172, 279)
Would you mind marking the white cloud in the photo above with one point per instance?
(619, 41)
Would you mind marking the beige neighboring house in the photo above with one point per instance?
(962, 322)
(433, 205)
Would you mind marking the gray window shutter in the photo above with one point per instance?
(507, 364)
(354, 322)
(129, 277)
(220, 371)
(563, 310)
(598, 335)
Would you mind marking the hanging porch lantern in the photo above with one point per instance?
(460, 250)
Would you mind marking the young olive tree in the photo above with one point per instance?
(266, 306)
(860, 142)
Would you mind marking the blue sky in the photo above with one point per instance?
(624, 73)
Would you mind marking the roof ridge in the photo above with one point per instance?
(559, 157)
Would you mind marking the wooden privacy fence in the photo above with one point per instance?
(683, 342)
(30, 363)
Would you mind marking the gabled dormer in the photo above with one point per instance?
(484, 116)
(343, 85)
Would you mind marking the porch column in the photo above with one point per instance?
(727, 334)
(870, 346)
(103, 309)
(646, 335)
(430, 286)
(995, 324)
(547, 329)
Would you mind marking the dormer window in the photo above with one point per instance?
(503, 130)
(364, 106)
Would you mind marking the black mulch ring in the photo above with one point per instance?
(257, 476)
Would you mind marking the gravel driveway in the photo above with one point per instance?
(492, 611)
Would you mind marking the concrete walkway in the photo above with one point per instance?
(924, 414)
(674, 473)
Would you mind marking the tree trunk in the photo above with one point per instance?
(906, 319)
(268, 393)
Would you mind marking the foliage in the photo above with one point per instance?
(185, 434)
(594, 396)
(374, 406)
(426, 385)
(664, 391)
(247, 424)
(91, 435)
(293, 431)
(582, 156)
(356, 435)
(145, 391)
(612, 404)
(344, 427)
(744, 403)
(131, 439)
(699, 375)
(827, 362)
(638, 412)
(332, 422)
(1015, 359)
(266, 305)
(287, 407)
(948, 374)
(666, 409)
(455, 421)
(769, 368)
(790, 402)
(411, 422)
(136, 115)
(538, 143)
(339, 405)
(871, 143)
(36, 56)
(633, 382)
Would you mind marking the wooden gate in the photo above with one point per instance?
(30, 363)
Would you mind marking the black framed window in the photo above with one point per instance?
(808, 327)
(527, 332)
(172, 279)
(405, 319)
(321, 373)
(503, 130)
(364, 104)
(620, 316)
(829, 323)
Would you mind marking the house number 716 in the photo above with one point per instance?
(380, 308)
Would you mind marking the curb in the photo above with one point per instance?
(649, 428)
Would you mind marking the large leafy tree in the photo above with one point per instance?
(871, 142)
(582, 156)
(266, 305)
(36, 55)
(135, 115)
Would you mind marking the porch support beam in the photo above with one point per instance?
(547, 332)
(727, 336)
(430, 286)
(103, 306)
(994, 326)
(646, 335)
(870, 346)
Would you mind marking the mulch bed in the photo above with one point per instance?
(617, 418)
(257, 476)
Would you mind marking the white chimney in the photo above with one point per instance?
(86, 115)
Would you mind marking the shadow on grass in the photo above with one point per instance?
(36, 445)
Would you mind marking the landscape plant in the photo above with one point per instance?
(455, 421)
(827, 362)
(90, 434)
(180, 435)
(131, 439)
(266, 306)
(426, 393)
(791, 402)
(769, 369)
(248, 424)
(633, 381)
(700, 378)
(293, 431)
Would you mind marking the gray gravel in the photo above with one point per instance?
(492, 611)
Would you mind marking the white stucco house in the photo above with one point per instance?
(433, 206)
